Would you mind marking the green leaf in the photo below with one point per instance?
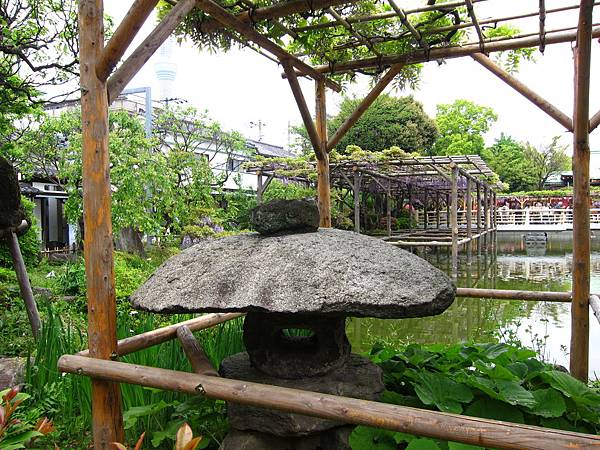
(367, 438)
(461, 446)
(515, 394)
(571, 387)
(18, 441)
(131, 416)
(439, 390)
(549, 403)
(423, 444)
(494, 409)
(518, 368)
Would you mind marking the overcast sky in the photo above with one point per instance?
(241, 87)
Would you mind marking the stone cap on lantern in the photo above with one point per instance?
(326, 272)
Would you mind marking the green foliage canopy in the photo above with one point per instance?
(462, 125)
(390, 121)
(507, 158)
(547, 160)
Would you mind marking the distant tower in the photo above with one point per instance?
(166, 70)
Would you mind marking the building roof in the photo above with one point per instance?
(269, 150)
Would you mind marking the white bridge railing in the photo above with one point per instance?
(515, 219)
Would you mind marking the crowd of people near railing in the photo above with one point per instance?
(535, 203)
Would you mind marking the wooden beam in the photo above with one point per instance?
(364, 105)
(450, 52)
(323, 183)
(421, 422)
(195, 353)
(245, 29)
(542, 17)
(388, 208)
(277, 11)
(123, 36)
(505, 294)
(530, 95)
(154, 337)
(580, 307)
(107, 417)
(595, 121)
(24, 285)
(475, 22)
(125, 73)
(311, 129)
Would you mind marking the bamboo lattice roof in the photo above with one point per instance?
(421, 173)
(339, 38)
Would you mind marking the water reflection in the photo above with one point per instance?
(514, 263)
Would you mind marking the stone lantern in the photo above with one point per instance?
(297, 284)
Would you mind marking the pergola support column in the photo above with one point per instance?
(579, 362)
(356, 190)
(388, 207)
(323, 186)
(107, 418)
(454, 222)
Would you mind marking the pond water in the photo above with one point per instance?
(543, 326)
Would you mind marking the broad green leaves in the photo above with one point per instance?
(493, 381)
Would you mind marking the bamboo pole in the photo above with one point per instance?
(454, 221)
(24, 285)
(195, 353)
(425, 210)
(434, 54)
(219, 13)
(437, 425)
(107, 418)
(356, 189)
(595, 121)
(125, 73)
(579, 362)
(154, 337)
(123, 36)
(595, 305)
(448, 211)
(364, 105)
(276, 11)
(525, 91)
(486, 209)
(323, 183)
(505, 294)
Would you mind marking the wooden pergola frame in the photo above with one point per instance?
(448, 177)
(99, 85)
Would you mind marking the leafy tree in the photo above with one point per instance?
(185, 130)
(462, 125)
(38, 54)
(546, 160)
(507, 158)
(389, 121)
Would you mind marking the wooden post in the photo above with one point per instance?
(356, 190)
(469, 208)
(388, 207)
(478, 209)
(259, 187)
(107, 419)
(195, 353)
(437, 210)
(410, 207)
(581, 197)
(486, 209)
(425, 224)
(448, 211)
(322, 156)
(454, 222)
(24, 284)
